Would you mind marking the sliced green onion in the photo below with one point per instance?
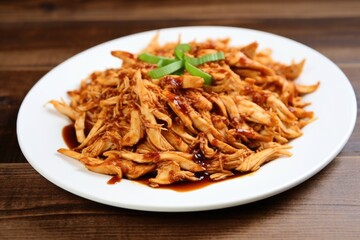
(166, 70)
(181, 49)
(179, 72)
(198, 72)
(166, 61)
(147, 57)
(176, 65)
(160, 61)
(206, 58)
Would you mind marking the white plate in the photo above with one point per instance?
(39, 127)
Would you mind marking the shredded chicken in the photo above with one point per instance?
(176, 128)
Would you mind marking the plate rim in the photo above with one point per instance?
(296, 182)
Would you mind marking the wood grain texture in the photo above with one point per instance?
(320, 207)
(39, 11)
(37, 35)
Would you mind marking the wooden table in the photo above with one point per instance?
(35, 36)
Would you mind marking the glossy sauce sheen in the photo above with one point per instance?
(188, 186)
(181, 186)
(69, 137)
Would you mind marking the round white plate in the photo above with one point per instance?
(39, 127)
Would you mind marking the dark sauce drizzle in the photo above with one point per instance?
(69, 137)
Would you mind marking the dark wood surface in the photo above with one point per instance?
(35, 36)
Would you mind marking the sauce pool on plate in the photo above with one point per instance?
(69, 137)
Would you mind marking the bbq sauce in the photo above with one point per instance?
(69, 136)
(185, 186)
(114, 180)
(188, 186)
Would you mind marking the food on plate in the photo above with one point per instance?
(179, 111)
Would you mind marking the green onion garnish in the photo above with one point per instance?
(177, 65)
(166, 70)
(198, 72)
(206, 58)
(160, 61)
(181, 49)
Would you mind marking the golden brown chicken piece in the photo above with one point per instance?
(169, 172)
(175, 127)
